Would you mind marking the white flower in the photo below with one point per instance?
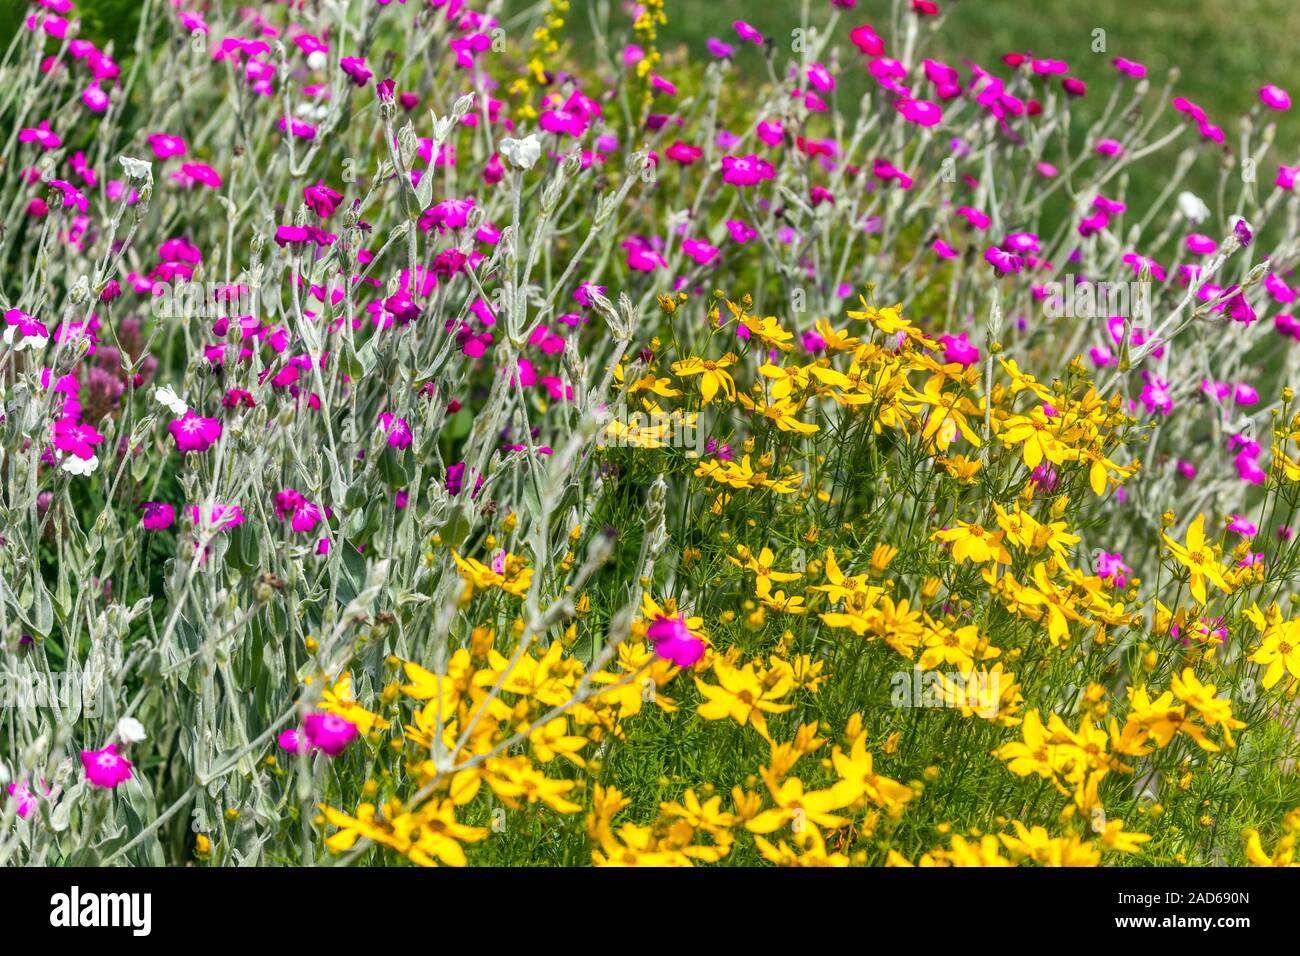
(521, 153)
(168, 398)
(1192, 207)
(130, 731)
(80, 466)
(23, 341)
(317, 60)
(140, 169)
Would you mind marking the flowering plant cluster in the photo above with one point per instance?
(426, 438)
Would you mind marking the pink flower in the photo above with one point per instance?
(867, 40)
(1130, 67)
(683, 153)
(41, 135)
(674, 642)
(157, 515)
(164, 145)
(194, 432)
(330, 732)
(448, 214)
(719, 49)
(218, 517)
(741, 231)
(106, 768)
(292, 741)
(201, 173)
(1002, 261)
(24, 797)
(920, 112)
(746, 170)
(1155, 395)
(1111, 567)
(1275, 98)
(1243, 526)
(321, 199)
(76, 438)
(957, 349)
(397, 429)
(94, 98)
(563, 120)
(355, 68)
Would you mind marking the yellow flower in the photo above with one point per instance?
(1199, 559)
(513, 778)
(740, 695)
(859, 779)
(1035, 754)
(713, 375)
(802, 810)
(1279, 651)
(762, 564)
(973, 542)
(1113, 837)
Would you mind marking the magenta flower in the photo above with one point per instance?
(397, 429)
(330, 732)
(683, 153)
(76, 438)
(194, 432)
(1002, 261)
(741, 231)
(746, 170)
(1130, 67)
(1111, 567)
(320, 199)
(106, 768)
(1155, 395)
(674, 642)
(719, 49)
(165, 146)
(1243, 526)
(957, 349)
(563, 120)
(218, 517)
(355, 68)
(191, 173)
(25, 797)
(448, 214)
(1241, 229)
(867, 40)
(157, 515)
(41, 135)
(1275, 98)
(292, 741)
(920, 112)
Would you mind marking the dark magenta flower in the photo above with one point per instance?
(158, 515)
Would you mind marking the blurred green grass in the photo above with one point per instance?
(1226, 49)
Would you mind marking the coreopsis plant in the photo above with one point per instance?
(435, 436)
